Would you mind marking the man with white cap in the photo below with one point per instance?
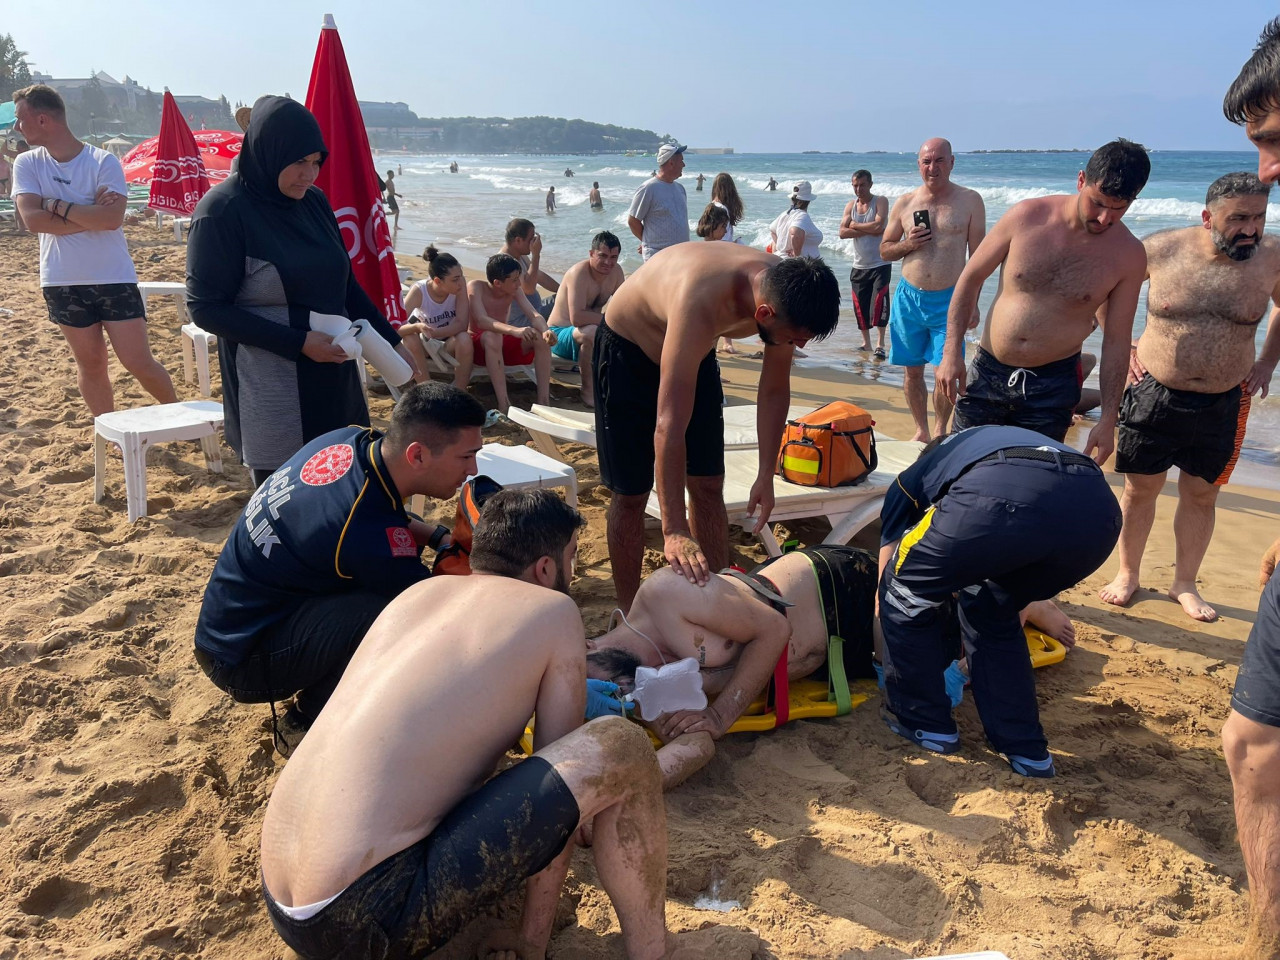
(659, 214)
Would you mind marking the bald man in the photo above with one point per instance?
(932, 230)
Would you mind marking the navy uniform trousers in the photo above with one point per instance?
(1007, 532)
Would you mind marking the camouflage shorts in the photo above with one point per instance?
(86, 304)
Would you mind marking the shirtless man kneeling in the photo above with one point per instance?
(1062, 259)
(579, 306)
(382, 831)
(1193, 373)
(738, 633)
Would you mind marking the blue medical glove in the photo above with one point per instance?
(603, 700)
(955, 680)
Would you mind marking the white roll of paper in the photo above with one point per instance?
(332, 324)
(382, 355)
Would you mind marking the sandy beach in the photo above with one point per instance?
(133, 790)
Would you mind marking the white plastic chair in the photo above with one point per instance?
(166, 288)
(134, 431)
(195, 353)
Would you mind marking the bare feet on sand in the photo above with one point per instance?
(1120, 590)
(588, 396)
(1045, 616)
(1192, 604)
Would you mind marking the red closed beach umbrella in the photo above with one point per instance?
(178, 177)
(348, 178)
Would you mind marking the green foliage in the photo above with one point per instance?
(519, 135)
(14, 70)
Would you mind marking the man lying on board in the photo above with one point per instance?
(738, 627)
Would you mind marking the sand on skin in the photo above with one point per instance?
(133, 791)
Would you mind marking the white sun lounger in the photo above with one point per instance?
(547, 424)
(849, 509)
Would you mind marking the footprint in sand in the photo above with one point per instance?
(797, 761)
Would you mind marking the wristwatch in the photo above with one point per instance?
(437, 535)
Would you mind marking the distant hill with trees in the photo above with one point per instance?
(396, 126)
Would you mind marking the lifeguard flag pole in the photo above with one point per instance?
(348, 177)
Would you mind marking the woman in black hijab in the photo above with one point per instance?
(264, 252)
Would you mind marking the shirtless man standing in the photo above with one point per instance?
(382, 831)
(1193, 373)
(498, 343)
(658, 394)
(579, 307)
(932, 252)
(1062, 259)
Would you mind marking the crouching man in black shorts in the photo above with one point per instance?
(383, 839)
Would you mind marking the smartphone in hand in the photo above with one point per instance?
(921, 219)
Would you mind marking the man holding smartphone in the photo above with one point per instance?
(1063, 259)
(931, 230)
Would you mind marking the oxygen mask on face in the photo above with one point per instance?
(668, 688)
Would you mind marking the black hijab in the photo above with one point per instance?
(281, 131)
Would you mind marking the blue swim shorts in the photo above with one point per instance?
(565, 347)
(918, 325)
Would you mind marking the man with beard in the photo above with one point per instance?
(1192, 375)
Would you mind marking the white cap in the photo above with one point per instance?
(669, 150)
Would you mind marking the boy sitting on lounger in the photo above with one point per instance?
(384, 835)
(737, 629)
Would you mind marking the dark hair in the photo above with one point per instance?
(862, 175)
(803, 292)
(438, 264)
(500, 266)
(931, 446)
(519, 527)
(619, 664)
(519, 227)
(726, 191)
(1256, 91)
(1239, 184)
(604, 240)
(798, 204)
(431, 414)
(1119, 169)
(596, 184)
(390, 174)
(712, 217)
(42, 98)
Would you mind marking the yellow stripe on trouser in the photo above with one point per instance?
(800, 465)
(912, 537)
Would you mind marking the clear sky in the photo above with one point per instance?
(764, 77)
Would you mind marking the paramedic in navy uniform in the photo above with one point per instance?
(1000, 516)
(324, 545)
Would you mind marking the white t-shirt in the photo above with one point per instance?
(77, 259)
(664, 210)
(799, 220)
(728, 234)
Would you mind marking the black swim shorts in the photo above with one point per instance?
(1199, 433)
(86, 304)
(627, 416)
(871, 295)
(1257, 691)
(415, 901)
(847, 580)
(1042, 398)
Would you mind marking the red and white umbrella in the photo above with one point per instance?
(218, 148)
(348, 178)
(178, 177)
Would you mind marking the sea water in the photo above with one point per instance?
(465, 214)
